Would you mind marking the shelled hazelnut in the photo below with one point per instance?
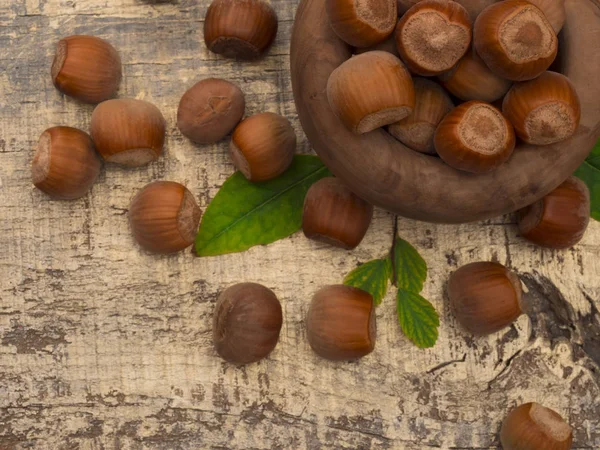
(128, 132)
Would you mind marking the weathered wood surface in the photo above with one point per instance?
(103, 346)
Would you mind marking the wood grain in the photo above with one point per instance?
(103, 346)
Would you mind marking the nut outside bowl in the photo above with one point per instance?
(388, 174)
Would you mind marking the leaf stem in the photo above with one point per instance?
(393, 252)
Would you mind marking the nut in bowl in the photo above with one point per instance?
(515, 45)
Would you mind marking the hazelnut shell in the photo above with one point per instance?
(247, 322)
(560, 219)
(371, 90)
(242, 29)
(485, 297)
(263, 146)
(210, 110)
(543, 111)
(86, 68)
(128, 132)
(65, 165)
(341, 323)
(164, 217)
(433, 36)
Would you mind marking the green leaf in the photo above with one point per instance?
(589, 172)
(418, 318)
(410, 268)
(245, 214)
(372, 277)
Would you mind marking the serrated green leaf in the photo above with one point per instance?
(372, 277)
(418, 318)
(410, 268)
(589, 172)
(245, 214)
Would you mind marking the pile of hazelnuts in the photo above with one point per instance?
(513, 41)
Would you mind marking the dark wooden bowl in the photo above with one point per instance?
(392, 176)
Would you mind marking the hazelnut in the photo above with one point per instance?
(242, 29)
(210, 110)
(475, 137)
(341, 323)
(515, 40)
(433, 35)
(247, 322)
(86, 68)
(533, 427)
(164, 217)
(263, 146)
(471, 79)
(335, 215)
(543, 111)
(362, 23)
(65, 165)
(485, 297)
(370, 90)
(417, 130)
(560, 219)
(128, 132)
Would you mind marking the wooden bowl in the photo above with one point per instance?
(390, 175)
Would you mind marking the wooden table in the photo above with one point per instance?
(103, 346)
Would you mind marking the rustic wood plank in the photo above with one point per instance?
(103, 346)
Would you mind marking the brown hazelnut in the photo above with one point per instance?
(471, 79)
(560, 219)
(485, 297)
(417, 130)
(164, 217)
(128, 132)
(86, 68)
(475, 137)
(65, 165)
(210, 110)
(341, 323)
(370, 90)
(515, 40)
(433, 36)
(242, 29)
(335, 215)
(534, 427)
(362, 23)
(247, 322)
(545, 110)
(263, 146)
